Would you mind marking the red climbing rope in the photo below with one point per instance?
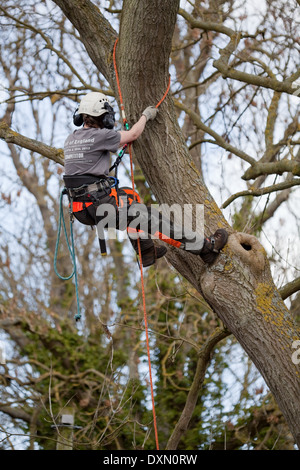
(139, 244)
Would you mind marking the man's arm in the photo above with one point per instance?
(134, 132)
(138, 127)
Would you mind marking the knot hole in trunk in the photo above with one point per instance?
(246, 246)
(249, 250)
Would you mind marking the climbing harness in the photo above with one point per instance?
(88, 190)
(138, 240)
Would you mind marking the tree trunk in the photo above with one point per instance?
(239, 286)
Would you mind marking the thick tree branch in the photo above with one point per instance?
(204, 357)
(271, 121)
(13, 137)
(290, 288)
(16, 413)
(272, 168)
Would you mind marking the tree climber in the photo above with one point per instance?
(93, 192)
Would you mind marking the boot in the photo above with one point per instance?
(213, 245)
(151, 255)
(150, 252)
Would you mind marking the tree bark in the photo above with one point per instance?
(239, 285)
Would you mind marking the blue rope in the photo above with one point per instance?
(71, 251)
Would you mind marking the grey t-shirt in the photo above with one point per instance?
(87, 151)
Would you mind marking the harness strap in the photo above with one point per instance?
(79, 206)
(92, 190)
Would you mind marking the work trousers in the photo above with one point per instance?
(123, 210)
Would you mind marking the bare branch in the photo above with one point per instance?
(271, 168)
(218, 139)
(13, 137)
(16, 413)
(290, 288)
(262, 191)
(203, 361)
(205, 25)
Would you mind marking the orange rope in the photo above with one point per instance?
(139, 244)
(166, 92)
(118, 82)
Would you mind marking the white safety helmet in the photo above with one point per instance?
(93, 104)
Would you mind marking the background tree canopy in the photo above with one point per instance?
(224, 339)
